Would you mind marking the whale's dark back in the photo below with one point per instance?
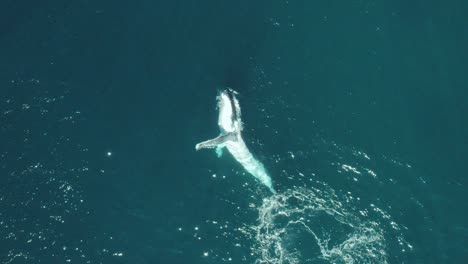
(230, 94)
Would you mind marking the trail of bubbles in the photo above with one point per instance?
(289, 219)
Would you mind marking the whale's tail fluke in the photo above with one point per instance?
(216, 142)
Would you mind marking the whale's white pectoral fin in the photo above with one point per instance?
(216, 142)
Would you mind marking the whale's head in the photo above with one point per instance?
(229, 112)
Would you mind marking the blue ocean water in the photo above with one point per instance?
(357, 110)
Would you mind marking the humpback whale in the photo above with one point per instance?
(230, 125)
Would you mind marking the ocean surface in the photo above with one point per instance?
(358, 110)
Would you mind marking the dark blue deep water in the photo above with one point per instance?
(358, 109)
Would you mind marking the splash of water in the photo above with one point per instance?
(308, 225)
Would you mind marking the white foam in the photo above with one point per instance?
(293, 215)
